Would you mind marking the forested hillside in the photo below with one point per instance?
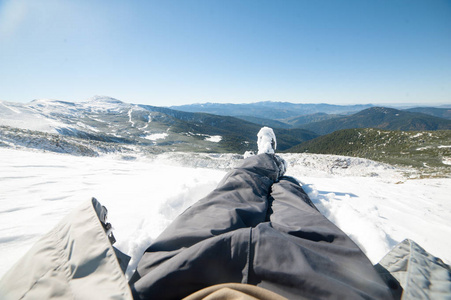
(420, 149)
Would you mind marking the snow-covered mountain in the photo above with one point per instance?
(99, 118)
(105, 119)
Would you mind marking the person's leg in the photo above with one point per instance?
(185, 247)
(179, 273)
(240, 200)
(300, 252)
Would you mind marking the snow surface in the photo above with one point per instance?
(156, 136)
(372, 202)
(214, 138)
(25, 117)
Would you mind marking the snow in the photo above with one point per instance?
(83, 125)
(214, 138)
(25, 117)
(103, 104)
(50, 115)
(372, 202)
(156, 136)
(10, 108)
(130, 117)
(429, 147)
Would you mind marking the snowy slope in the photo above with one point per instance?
(374, 203)
(99, 118)
(50, 115)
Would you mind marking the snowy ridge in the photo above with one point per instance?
(62, 114)
(27, 117)
(374, 203)
(107, 120)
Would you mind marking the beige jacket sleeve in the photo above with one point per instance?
(75, 260)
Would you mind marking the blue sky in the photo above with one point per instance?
(178, 52)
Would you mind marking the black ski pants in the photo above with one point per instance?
(258, 229)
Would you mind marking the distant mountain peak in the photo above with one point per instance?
(104, 99)
(105, 104)
(379, 110)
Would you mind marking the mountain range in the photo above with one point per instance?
(382, 118)
(270, 110)
(326, 118)
(108, 120)
(418, 137)
(433, 111)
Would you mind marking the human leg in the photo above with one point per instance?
(182, 255)
(240, 200)
(299, 252)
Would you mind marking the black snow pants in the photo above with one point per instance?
(258, 229)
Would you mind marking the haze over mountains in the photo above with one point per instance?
(329, 117)
(270, 110)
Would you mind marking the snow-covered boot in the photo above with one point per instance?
(267, 143)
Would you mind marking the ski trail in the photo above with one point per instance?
(130, 117)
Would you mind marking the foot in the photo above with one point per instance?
(266, 141)
(267, 144)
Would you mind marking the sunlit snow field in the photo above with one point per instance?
(371, 202)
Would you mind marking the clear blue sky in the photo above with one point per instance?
(177, 52)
